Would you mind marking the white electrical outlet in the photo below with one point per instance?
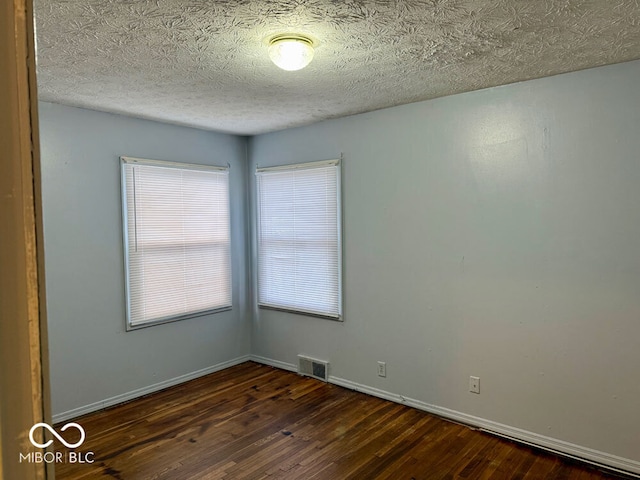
(474, 384)
(382, 369)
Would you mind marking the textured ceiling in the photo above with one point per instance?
(204, 63)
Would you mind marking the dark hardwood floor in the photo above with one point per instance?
(256, 422)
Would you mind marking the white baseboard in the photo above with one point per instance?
(594, 457)
(124, 397)
(274, 363)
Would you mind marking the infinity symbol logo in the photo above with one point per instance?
(55, 434)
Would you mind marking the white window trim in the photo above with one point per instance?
(316, 164)
(124, 160)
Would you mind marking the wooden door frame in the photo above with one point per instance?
(24, 376)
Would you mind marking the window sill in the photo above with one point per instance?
(302, 312)
(178, 318)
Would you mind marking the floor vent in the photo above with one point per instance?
(313, 368)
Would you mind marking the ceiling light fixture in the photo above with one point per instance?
(291, 51)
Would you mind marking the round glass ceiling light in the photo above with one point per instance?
(291, 51)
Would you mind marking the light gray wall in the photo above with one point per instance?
(92, 357)
(496, 234)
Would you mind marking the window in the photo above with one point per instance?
(299, 238)
(177, 241)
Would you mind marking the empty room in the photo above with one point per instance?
(338, 240)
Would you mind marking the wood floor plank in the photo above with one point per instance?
(254, 422)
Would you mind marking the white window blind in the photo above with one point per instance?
(299, 245)
(177, 240)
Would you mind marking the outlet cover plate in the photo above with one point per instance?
(474, 384)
